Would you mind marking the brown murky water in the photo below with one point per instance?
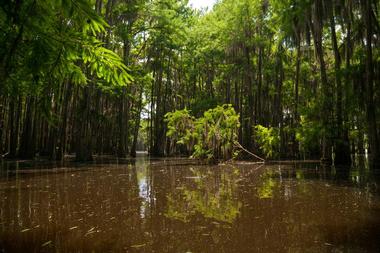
(174, 206)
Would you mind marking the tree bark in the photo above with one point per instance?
(137, 126)
(83, 139)
(370, 104)
(342, 146)
(27, 141)
(121, 149)
(317, 32)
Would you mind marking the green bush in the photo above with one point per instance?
(308, 135)
(210, 137)
(268, 140)
(181, 128)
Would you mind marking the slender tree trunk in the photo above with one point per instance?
(228, 91)
(259, 91)
(297, 80)
(151, 118)
(370, 104)
(295, 120)
(14, 125)
(64, 117)
(317, 26)
(83, 139)
(250, 103)
(342, 147)
(121, 150)
(279, 108)
(55, 129)
(137, 125)
(347, 80)
(27, 142)
(2, 123)
(157, 145)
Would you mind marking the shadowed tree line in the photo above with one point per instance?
(76, 76)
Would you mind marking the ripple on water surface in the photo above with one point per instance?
(164, 206)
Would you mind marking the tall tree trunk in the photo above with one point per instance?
(14, 125)
(249, 122)
(158, 121)
(3, 103)
(137, 126)
(278, 112)
(259, 91)
(27, 142)
(64, 118)
(342, 146)
(295, 120)
(83, 139)
(121, 149)
(370, 104)
(317, 26)
(347, 80)
(151, 117)
(228, 91)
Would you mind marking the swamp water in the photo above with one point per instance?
(178, 206)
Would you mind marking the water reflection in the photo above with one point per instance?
(179, 206)
(208, 193)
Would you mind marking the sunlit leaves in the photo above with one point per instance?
(106, 65)
(78, 76)
(211, 136)
(56, 41)
(309, 133)
(268, 140)
(181, 127)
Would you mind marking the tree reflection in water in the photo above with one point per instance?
(212, 195)
(163, 206)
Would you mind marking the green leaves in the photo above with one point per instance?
(106, 65)
(268, 140)
(209, 137)
(181, 128)
(308, 133)
(56, 41)
(78, 77)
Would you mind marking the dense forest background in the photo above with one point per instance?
(98, 76)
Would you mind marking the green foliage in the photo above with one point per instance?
(209, 137)
(262, 56)
(308, 135)
(217, 131)
(107, 66)
(47, 42)
(202, 104)
(268, 140)
(181, 128)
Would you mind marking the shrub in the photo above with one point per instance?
(210, 137)
(268, 140)
(181, 128)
